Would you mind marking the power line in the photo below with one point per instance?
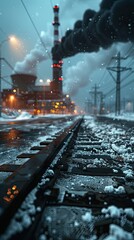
(51, 3)
(7, 81)
(129, 53)
(129, 50)
(108, 93)
(127, 76)
(105, 75)
(7, 63)
(113, 90)
(35, 27)
(128, 83)
(105, 71)
(130, 62)
(102, 78)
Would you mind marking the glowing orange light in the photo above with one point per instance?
(12, 38)
(16, 45)
(7, 199)
(11, 98)
(14, 187)
(11, 196)
(16, 192)
(8, 192)
(11, 192)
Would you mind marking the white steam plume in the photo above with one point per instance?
(78, 76)
(36, 55)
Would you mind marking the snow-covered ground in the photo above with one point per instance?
(16, 116)
(115, 138)
(10, 115)
(123, 116)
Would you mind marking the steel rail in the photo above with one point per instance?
(16, 187)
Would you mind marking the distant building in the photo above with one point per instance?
(40, 99)
(36, 99)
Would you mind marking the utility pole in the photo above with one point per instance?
(118, 69)
(102, 110)
(95, 94)
(88, 106)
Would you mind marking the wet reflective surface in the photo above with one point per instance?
(19, 138)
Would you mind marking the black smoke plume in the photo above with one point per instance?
(114, 22)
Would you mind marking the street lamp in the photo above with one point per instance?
(12, 39)
(12, 101)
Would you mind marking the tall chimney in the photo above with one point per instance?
(56, 84)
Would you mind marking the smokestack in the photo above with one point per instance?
(56, 84)
(113, 23)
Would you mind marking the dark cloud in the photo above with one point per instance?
(122, 17)
(107, 4)
(87, 17)
(78, 25)
(114, 22)
(105, 31)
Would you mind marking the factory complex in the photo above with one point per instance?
(40, 99)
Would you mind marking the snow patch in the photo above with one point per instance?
(87, 217)
(117, 233)
(111, 189)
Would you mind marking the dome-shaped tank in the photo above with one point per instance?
(24, 82)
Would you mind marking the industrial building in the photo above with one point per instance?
(40, 99)
(35, 99)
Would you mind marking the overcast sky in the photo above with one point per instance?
(80, 72)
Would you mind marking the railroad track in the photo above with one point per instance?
(75, 187)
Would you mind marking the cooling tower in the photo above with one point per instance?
(24, 82)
